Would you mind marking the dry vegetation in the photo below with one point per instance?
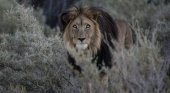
(31, 62)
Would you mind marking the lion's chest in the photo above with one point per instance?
(80, 55)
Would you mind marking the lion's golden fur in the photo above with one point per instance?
(125, 39)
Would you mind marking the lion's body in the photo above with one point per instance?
(125, 39)
(89, 33)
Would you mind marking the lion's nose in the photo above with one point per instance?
(81, 39)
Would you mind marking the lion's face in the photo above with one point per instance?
(80, 33)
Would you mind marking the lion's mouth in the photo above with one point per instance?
(81, 46)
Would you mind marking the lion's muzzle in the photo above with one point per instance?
(81, 46)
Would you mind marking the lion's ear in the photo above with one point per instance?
(93, 14)
(96, 15)
(69, 14)
(66, 17)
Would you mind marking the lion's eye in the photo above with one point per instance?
(87, 26)
(74, 26)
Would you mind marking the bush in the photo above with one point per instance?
(30, 61)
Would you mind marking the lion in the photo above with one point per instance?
(88, 33)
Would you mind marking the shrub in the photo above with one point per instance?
(30, 61)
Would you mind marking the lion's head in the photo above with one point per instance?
(81, 32)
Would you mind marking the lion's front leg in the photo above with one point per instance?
(77, 69)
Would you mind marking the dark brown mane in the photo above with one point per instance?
(107, 25)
